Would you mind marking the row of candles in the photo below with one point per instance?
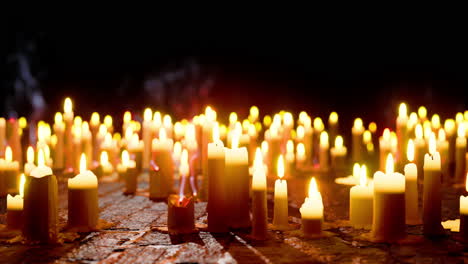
(226, 183)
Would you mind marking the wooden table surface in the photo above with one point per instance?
(136, 236)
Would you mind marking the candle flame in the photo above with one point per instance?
(162, 134)
(215, 132)
(318, 124)
(441, 135)
(68, 105)
(267, 120)
(264, 147)
(386, 134)
(419, 131)
(432, 144)
(373, 127)
(30, 155)
(147, 114)
(167, 121)
(367, 137)
(127, 117)
(449, 125)
(252, 130)
(402, 110)
(102, 130)
(313, 190)
(210, 114)
(435, 120)
(58, 118)
(184, 164)
(356, 171)
(125, 158)
(422, 112)
(390, 167)
(324, 138)
(21, 185)
(333, 117)
(177, 149)
(40, 158)
(290, 146)
(461, 130)
(300, 132)
(413, 118)
(8, 154)
(46, 152)
(83, 163)
(363, 176)
(358, 123)
(288, 119)
(258, 160)
(108, 121)
(300, 150)
(254, 112)
(104, 159)
(95, 119)
(410, 151)
(157, 118)
(280, 167)
(232, 118)
(235, 141)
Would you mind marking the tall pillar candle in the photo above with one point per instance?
(333, 125)
(312, 212)
(402, 134)
(280, 213)
(460, 152)
(274, 148)
(464, 214)
(361, 198)
(94, 123)
(432, 195)
(324, 151)
(388, 224)
(318, 129)
(40, 212)
(384, 148)
(68, 118)
(338, 155)
(357, 131)
(83, 209)
(9, 172)
(411, 188)
(29, 165)
(14, 216)
(206, 138)
(162, 155)
(259, 200)
(146, 138)
(59, 130)
(217, 189)
(237, 180)
(449, 127)
(443, 149)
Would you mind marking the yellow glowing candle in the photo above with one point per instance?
(9, 171)
(217, 204)
(68, 118)
(338, 154)
(460, 152)
(432, 196)
(300, 155)
(317, 130)
(361, 201)
(422, 113)
(324, 154)
(280, 213)
(443, 149)
(357, 131)
(259, 199)
(2, 134)
(162, 148)
(449, 127)
(253, 113)
(29, 166)
(14, 217)
(312, 212)
(385, 147)
(290, 159)
(464, 213)
(388, 224)
(402, 132)
(106, 166)
(333, 125)
(147, 137)
(411, 190)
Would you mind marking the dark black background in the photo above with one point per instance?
(357, 69)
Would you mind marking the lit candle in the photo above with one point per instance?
(312, 212)
(259, 198)
(422, 113)
(333, 125)
(280, 213)
(338, 155)
(357, 131)
(40, 212)
(59, 130)
(83, 209)
(217, 205)
(460, 152)
(253, 113)
(420, 149)
(300, 155)
(290, 160)
(2, 135)
(432, 196)
(9, 172)
(15, 141)
(238, 185)
(147, 137)
(135, 147)
(68, 118)
(180, 214)
(14, 217)
(274, 146)
(127, 172)
(449, 127)
(464, 213)
(106, 167)
(308, 134)
(318, 128)
(29, 166)
(94, 124)
(384, 148)
(253, 136)
(402, 133)
(207, 136)
(87, 143)
(323, 153)
(443, 149)
(361, 198)
(162, 155)
(388, 224)
(411, 190)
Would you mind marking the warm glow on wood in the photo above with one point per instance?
(410, 151)
(8, 154)
(68, 105)
(389, 166)
(402, 110)
(280, 167)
